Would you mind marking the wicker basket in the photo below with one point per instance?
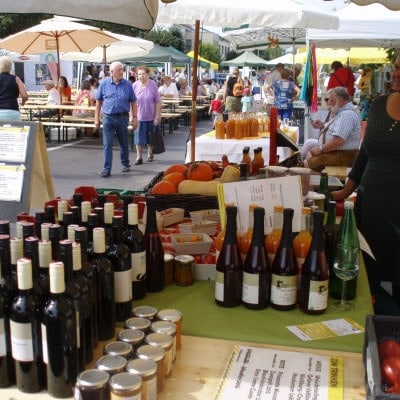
(189, 202)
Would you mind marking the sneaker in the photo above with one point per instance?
(126, 168)
(105, 173)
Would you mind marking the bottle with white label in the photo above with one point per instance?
(60, 353)
(25, 332)
(120, 257)
(134, 239)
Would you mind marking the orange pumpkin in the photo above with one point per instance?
(200, 171)
(175, 168)
(164, 187)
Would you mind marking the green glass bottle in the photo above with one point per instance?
(347, 235)
(323, 188)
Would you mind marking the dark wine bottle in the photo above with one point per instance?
(87, 270)
(60, 352)
(256, 268)
(120, 256)
(81, 279)
(330, 230)
(74, 295)
(4, 227)
(104, 278)
(86, 209)
(54, 237)
(134, 239)
(50, 214)
(67, 219)
(92, 222)
(108, 220)
(284, 268)
(154, 250)
(15, 252)
(314, 282)
(7, 292)
(62, 207)
(25, 329)
(228, 279)
(77, 199)
(127, 199)
(40, 217)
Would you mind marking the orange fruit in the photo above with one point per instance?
(175, 177)
(164, 187)
(175, 168)
(194, 238)
(200, 171)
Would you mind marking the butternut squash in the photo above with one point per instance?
(207, 188)
(230, 174)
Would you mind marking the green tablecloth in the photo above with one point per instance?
(202, 317)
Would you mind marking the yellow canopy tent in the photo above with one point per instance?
(213, 65)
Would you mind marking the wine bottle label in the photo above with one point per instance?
(123, 286)
(21, 341)
(3, 350)
(250, 292)
(45, 353)
(219, 286)
(138, 262)
(318, 295)
(284, 290)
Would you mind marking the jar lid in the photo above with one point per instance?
(169, 314)
(149, 352)
(159, 339)
(92, 378)
(124, 381)
(163, 327)
(315, 196)
(184, 258)
(145, 311)
(168, 257)
(111, 363)
(142, 367)
(138, 323)
(276, 168)
(118, 349)
(132, 336)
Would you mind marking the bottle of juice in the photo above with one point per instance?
(220, 128)
(230, 127)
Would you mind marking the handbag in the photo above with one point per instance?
(157, 141)
(238, 87)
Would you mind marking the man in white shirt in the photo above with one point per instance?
(169, 89)
(53, 99)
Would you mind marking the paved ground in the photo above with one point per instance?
(80, 162)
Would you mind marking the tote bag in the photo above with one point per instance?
(157, 141)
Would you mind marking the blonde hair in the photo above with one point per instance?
(5, 64)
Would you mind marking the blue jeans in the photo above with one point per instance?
(286, 112)
(118, 125)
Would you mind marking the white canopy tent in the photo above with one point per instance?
(361, 26)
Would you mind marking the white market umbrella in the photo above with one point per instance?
(125, 47)
(55, 35)
(285, 59)
(228, 13)
(138, 13)
(391, 4)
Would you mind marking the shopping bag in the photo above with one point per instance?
(157, 141)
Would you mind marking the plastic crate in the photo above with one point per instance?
(378, 328)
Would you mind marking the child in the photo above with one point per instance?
(215, 109)
(247, 100)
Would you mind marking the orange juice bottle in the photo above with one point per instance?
(246, 126)
(302, 242)
(219, 128)
(258, 162)
(255, 126)
(230, 128)
(274, 238)
(245, 238)
(238, 128)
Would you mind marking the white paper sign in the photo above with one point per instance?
(11, 181)
(13, 143)
(267, 193)
(264, 374)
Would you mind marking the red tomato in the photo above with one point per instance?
(209, 258)
(390, 370)
(387, 348)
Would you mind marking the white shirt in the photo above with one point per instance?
(54, 97)
(170, 91)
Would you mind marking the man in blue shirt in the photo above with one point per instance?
(117, 101)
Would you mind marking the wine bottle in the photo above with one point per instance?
(68, 219)
(127, 199)
(134, 239)
(54, 237)
(323, 188)
(302, 240)
(229, 271)
(108, 220)
(92, 222)
(330, 230)
(44, 262)
(85, 288)
(87, 270)
(274, 238)
(7, 292)
(246, 237)
(347, 238)
(256, 267)
(314, 283)
(4, 227)
(74, 295)
(104, 286)
(120, 256)
(15, 251)
(50, 213)
(86, 209)
(39, 219)
(284, 268)
(62, 207)
(154, 250)
(25, 317)
(60, 352)
(77, 199)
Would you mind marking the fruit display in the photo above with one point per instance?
(200, 177)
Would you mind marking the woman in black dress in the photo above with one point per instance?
(376, 173)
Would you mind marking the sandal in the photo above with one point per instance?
(150, 158)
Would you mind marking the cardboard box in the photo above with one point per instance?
(183, 245)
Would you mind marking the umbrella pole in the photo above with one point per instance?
(194, 90)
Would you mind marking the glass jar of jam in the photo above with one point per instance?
(140, 323)
(92, 384)
(166, 327)
(134, 337)
(111, 364)
(175, 316)
(118, 348)
(145, 312)
(156, 354)
(125, 386)
(164, 341)
(147, 369)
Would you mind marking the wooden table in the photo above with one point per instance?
(200, 364)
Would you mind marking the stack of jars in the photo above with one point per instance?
(238, 126)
